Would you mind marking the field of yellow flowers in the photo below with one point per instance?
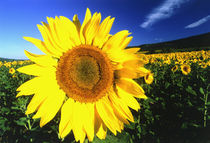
(177, 108)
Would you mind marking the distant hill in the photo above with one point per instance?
(193, 43)
(10, 60)
(5, 59)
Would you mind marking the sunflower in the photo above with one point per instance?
(149, 77)
(87, 73)
(1, 63)
(174, 68)
(11, 70)
(7, 64)
(185, 69)
(203, 65)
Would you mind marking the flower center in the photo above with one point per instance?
(84, 73)
(185, 69)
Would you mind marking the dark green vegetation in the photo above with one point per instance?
(177, 111)
(5, 59)
(194, 43)
(9, 60)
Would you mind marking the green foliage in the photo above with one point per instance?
(177, 110)
(178, 106)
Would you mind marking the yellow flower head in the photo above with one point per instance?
(149, 77)
(185, 69)
(174, 69)
(20, 62)
(14, 63)
(14, 76)
(90, 68)
(7, 64)
(1, 63)
(203, 65)
(11, 70)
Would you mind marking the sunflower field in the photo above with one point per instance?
(177, 108)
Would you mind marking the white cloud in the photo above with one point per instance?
(158, 39)
(199, 22)
(164, 11)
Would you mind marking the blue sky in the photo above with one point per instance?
(149, 21)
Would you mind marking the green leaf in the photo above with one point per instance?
(167, 84)
(131, 126)
(201, 109)
(195, 125)
(179, 85)
(15, 108)
(184, 126)
(120, 138)
(189, 103)
(208, 103)
(5, 110)
(22, 121)
(190, 90)
(201, 91)
(203, 79)
(202, 99)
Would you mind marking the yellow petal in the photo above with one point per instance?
(63, 35)
(125, 43)
(103, 32)
(141, 71)
(92, 28)
(66, 122)
(71, 30)
(52, 35)
(29, 87)
(50, 106)
(106, 113)
(126, 73)
(101, 134)
(121, 109)
(41, 45)
(128, 99)
(114, 43)
(100, 128)
(88, 118)
(77, 22)
(120, 56)
(47, 39)
(31, 69)
(86, 20)
(131, 87)
(131, 72)
(36, 70)
(133, 64)
(119, 115)
(43, 60)
(78, 122)
(36, 101)
(121, 125)
(133, 50)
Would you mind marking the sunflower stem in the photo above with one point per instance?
(205, 108)
(29, 123)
